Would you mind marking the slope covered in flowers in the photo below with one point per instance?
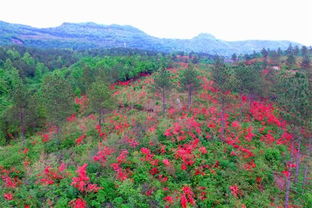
(142, 158)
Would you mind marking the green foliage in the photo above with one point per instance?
(248, 79)
(58, 105)
(100, 98)
(162, 80)
(163, 85)
(223, 75)
(294, 96)
(291, 60)
(24, 112)
(189, 81)
(152, 156)
(306, 62)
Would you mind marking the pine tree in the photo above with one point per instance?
(225, 80)
(304, 51)
(279, 52)
(189, 82)
(306, 62)
(289, 50)
(163, 84)
(295, 98)
(59, 99)
(291, 60)
(234, 57)
(264, 53)
(248, 80)
(24, 111)
(295, 51)
(100, 98)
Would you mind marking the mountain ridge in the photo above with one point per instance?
(90, 35)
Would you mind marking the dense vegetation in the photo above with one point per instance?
(122, 128)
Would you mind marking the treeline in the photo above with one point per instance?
(35, 91)
(36, 85)
(276, 57)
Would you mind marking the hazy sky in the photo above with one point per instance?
(225, 19)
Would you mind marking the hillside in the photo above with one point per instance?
(91, 35)
(97, 133)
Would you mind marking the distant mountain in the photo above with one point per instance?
(91, 35)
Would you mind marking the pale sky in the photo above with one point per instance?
(225, 19)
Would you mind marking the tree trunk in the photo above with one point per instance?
(100, 118)
(305, 175)
(222, 121)
(22, 127)
(287, 179)
(287, 190)
(306, 168)
(164, 101)
(58, 130)
(189, 103)
(298, 158)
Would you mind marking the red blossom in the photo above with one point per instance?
(250, 134)
(154, 171)
(149, 192)
(78, 203)
(203, 150)
(82, 182)
(121, 175)
(8, 182)
(268, 138)
(286, 173)
(122, 156)
(183, 166)
(168, 199)
(25, 151)
(250, 165)
(291, 165)
(183, 201)
(166, 162)
(285, 138)
(46, 137)
(102, 154)
(145, 151)
(51, 175)
(234, 190)
(236, 124)
(162, 178)
(8, 196)
(80, 139)
(71, 118)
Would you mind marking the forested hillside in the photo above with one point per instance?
(131, 128)
(90, 36)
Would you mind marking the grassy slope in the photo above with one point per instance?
(172, 159)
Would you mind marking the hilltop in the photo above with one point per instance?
(91, 35)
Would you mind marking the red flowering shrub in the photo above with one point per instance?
(234, 190)
(8, 196)
(71, 118)
(187, 196)
(80, 139)
(78, 203)
(51, 175)
(82, 181)
(8, 182)
(264, 112)
(102, 154)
